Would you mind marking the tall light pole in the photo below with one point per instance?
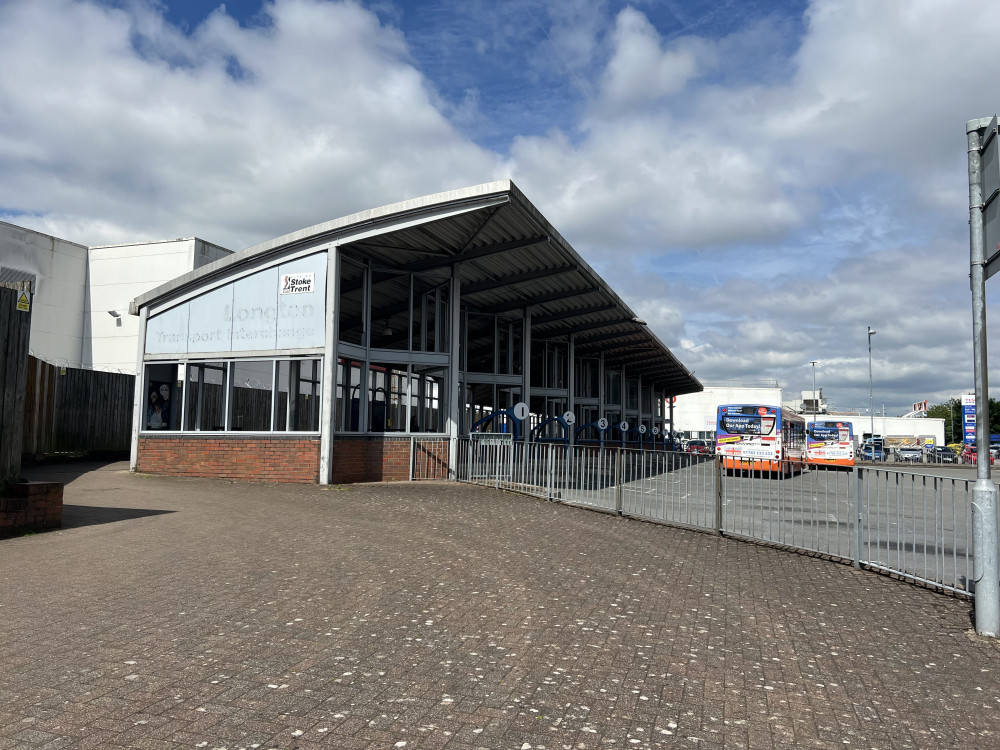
(871, 392)
(815, 403)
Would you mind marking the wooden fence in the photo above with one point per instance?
(15, 329)
(76, 411)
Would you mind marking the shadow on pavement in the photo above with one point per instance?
(63, 471)
(75, 516)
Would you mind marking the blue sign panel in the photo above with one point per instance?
(969, 418)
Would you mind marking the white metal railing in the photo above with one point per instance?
(913, 525)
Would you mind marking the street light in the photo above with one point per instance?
(815, 403)
(871, 396)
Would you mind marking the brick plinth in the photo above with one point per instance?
(31, 506)
(272, 458)
(370, 460)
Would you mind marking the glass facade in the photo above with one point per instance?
(243, 395)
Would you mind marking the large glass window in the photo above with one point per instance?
(297, 399)
(253, 385)
(427, 407)
(430, 314)
(240, 395)
(586, 373)
(164, 396)
(387, 386)
(390, 308)
(482, 343)
(613, 387)
(632, 394)
(206, 396)
(348, 411)
(351, 303)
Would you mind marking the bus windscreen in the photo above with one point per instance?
(734, 424)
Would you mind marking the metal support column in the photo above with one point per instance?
(454, 396)
(571, 383)
(984, 494)
(526, 373)
(329, 386)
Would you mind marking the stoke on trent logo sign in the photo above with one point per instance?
(297, 283)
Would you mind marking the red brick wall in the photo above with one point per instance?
(275, 458)
(31, 506)
(370, 460)
(285, 458)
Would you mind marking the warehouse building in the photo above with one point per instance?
(315, 357)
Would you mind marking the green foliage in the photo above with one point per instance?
(951, 413)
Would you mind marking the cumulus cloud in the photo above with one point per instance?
(233, 133)
(758, 197)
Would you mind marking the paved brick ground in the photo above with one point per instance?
(195, 613)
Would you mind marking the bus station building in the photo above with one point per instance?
(321, 355)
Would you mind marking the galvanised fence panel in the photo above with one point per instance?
(676, 488)
(811, 510)
(586, 475)
(429, 457)
(917, 526)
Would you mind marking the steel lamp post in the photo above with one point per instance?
(871, 392)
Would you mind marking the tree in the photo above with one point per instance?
(951, 413)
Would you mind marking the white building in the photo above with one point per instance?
(695, 414)
(80, 294)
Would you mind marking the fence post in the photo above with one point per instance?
(858, 493)
(718, 496)
(413, 449)
(620, 489)
(548, 483)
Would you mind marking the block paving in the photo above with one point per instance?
(173, 612)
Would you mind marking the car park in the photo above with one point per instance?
(942, 454)
(910, 455)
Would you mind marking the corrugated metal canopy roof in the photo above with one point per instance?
(509, 259)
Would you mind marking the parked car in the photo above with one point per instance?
(942, 454)
(699, 446)
(995, 449)
(970, 455)
(910, 455)
(873, 452)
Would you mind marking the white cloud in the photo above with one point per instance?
(821, 193)
(640, 71)
(116, 124)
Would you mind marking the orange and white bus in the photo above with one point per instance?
(830, 444)
(758, 437)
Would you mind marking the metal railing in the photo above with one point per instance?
(916, 526)
(429, 457)
(913, 525)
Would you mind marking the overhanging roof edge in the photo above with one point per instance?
(329, 229)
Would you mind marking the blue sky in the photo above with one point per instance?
(761, 181)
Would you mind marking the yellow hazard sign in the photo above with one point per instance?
(23, 303)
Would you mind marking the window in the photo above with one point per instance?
(427, 388)
(296, 407)
(348, 416)
(387, 385)
(390, 307)
(351, 303)
(613, 387)
(632, 394)
(253, 384)
(240, 395)
(206, 396)
(163, 392)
